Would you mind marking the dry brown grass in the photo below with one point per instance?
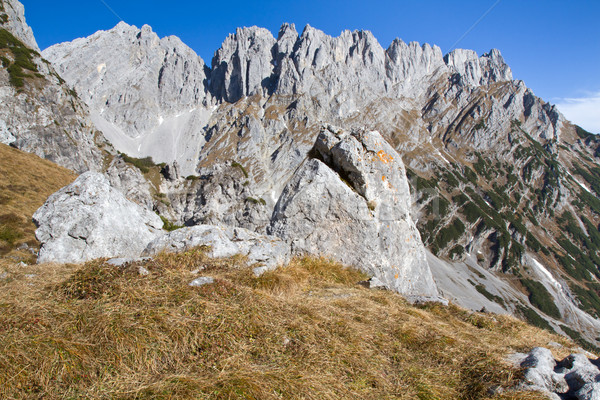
(307, 331)
(26, 181)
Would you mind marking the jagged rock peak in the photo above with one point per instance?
(354, 64)
(242, 64)
(133, 78)
(474, 70)
(14, 22)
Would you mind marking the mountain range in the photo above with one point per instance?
(439, 175)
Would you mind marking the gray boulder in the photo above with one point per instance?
(89, 219)
(573, 377)
(354, 206)
(203, 280)
(225, 242)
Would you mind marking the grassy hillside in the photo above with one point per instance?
(307, 331)
(26, 181)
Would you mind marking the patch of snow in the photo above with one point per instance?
(545, 272)
(442, 156)
(579, 182)
(161, 120)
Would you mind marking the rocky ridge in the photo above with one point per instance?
(499, 176)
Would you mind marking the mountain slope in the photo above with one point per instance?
(306, 331)
(502, 182)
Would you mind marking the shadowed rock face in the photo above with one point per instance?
(354, 206)
(89, 219)
(574, 377)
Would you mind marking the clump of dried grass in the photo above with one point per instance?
(306, 331)
(23, 189)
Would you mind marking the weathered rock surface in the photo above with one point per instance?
(41, 114)
(574, 377)
(137, 78)
(220, 195)
(89, 219)
(130, 182)
(355, 207)
(15, 22)
(144, 91)
(225, 241)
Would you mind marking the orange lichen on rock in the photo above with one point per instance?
(384, 157)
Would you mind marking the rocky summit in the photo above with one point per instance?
(438, 175)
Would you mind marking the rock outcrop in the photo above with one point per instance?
(354, 206)
(574, 377)
(263, 252)
(40, 114)
(144, 91)
(14, 22)
(137, 78)
(89, 219)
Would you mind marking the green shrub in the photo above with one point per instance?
(589, 299)
(457, 251)
(448, 234)
(576, 336)
(10, 234)
(143, 164)
(240, 167)
(491, 297)
(168, 225)
(533, 318)
(256, 201)
(23, 58)
(541, 298)
(471, 212)
(582, 133)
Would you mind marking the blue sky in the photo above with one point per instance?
(554, 46)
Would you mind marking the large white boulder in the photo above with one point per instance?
(352, 202)
(89, 219)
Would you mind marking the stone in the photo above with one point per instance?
(130, 181)
(89, 219)
(356, 209)
(589, 391)
(203, 280)
(575, 376)
(540, 374)
(224, 241)
(171, 171)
